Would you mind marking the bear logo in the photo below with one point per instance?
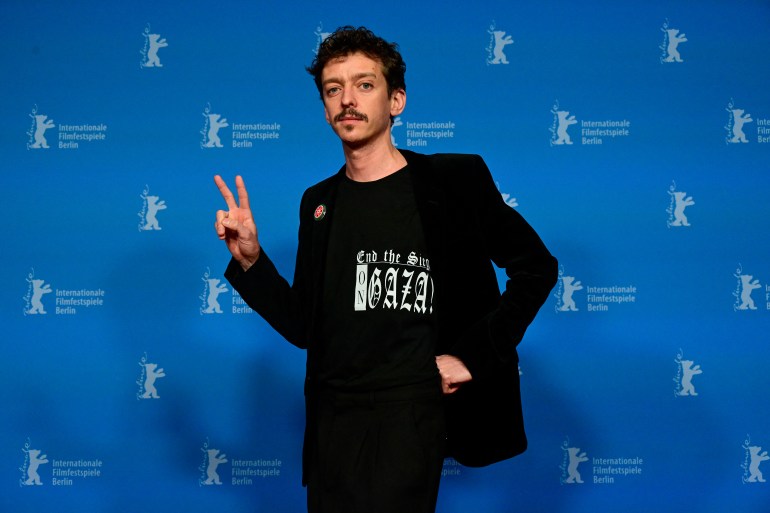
(681, 201)
(501, 41)
(215, 122)
(156, 43)
(570, 286)
(738, 121)
(214, 459)
(153, 206)
(575, 459)
(755, 475)
(672, 50)
(35, 460)
(39, 288)
(747, 286)
(214, 289)
(152, 373)
(688, 371)
(564, 120)
(42, 123)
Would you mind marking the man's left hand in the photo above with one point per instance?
(453, 373)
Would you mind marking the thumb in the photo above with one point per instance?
(245, 236)
(236, 226)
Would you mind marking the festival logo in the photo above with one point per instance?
(571, 459)
(320, 35)
(36, 133)
(70, 135)
(746, 284)
(604, 470)
(671, 41)
(211, 125)
(68, 301)
(592, 131)
(148, 215)
(244, 135)
(212, 458)
(753, 456)
(425, 133)
(149, 52)
(685, 371)
(210, 300)
(565, 288)
(149, 374)
(737, 118)
(33, 458)
(243, 470)
(598, 298)
(678, 202)
(33, 299)
(736, 121)
(212, 288)
(562, 120)
(498, 40)
(63, 472)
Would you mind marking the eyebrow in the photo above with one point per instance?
(357, 76)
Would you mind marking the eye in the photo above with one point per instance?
(367, 86)
(332, 91)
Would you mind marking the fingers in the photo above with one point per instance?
(453, 373)
(448, 388)
(225, 222)
(243, 196)
(240, 187)
(219, 224)
(225, 191)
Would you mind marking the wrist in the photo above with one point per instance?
(246, 263)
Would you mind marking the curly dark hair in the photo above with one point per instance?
(348, 40)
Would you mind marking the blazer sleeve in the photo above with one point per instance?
(513, 245)
(285, 307)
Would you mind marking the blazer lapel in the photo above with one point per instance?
(320, 236)
(430, 204)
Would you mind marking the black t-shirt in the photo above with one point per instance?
(379, 321)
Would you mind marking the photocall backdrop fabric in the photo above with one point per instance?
(635, 138)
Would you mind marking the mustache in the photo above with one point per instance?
(351, 112)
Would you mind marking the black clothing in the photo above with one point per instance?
(378, 320)
(377, 452)
(467, 226)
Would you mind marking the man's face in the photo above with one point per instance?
(356, 100)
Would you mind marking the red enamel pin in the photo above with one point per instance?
(320, 212)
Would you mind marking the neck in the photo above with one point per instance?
(372, 162)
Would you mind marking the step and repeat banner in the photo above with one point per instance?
(634, 138)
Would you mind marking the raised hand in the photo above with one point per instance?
(236, 225)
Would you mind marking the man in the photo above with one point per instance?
(411, 348)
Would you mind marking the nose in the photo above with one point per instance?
(348, 97)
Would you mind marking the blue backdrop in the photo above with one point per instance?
(635, 139)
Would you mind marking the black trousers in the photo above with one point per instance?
(379, 452)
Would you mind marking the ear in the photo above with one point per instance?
(397, 102)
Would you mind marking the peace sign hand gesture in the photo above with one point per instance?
(236, 225)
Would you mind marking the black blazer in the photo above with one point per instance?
(467, 227)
